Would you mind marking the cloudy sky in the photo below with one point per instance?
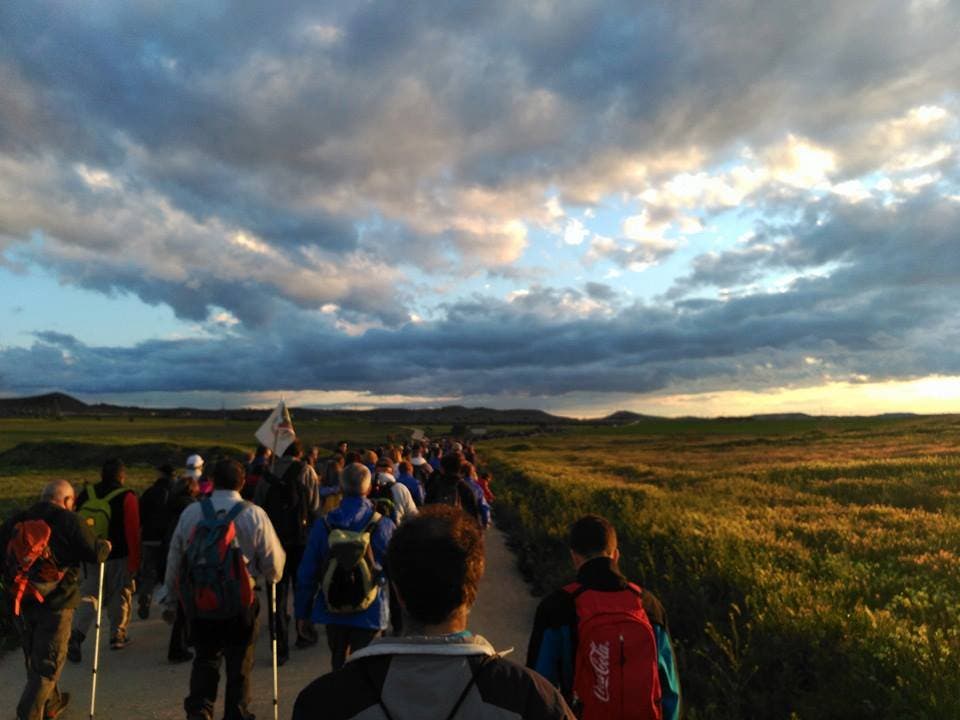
(676, 207)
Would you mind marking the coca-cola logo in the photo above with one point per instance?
(600, 662)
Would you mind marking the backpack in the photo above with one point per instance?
(213, 582)
(285, 506)
(96, 512)
(154, 511)
(30, 568)
(350, 580)
(381, 495)
(442, 492)
(616, 667)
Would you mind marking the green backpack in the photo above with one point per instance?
(95, 512)
(350, 581)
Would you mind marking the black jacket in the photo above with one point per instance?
(71, 542)
(441, 488)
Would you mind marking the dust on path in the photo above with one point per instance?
(138, 682)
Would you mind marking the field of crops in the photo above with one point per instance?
(810, 568)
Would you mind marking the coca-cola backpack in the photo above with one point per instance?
(615, 671)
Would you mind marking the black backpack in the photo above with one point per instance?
(285, 505)
(155, 511)
(443, 490)
(381, 495)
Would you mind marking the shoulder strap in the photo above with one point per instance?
(114, 493)
(206, 505)
(236, 510)
(374, 519)
(473, 681)
(91, 489)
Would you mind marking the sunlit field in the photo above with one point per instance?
(810, 568)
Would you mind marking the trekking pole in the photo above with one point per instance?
(96, 644)
(273, 641)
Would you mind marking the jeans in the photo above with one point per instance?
(44, 634)
(233, 642)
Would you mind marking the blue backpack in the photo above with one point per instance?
(213, 582)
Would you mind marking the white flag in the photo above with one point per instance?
(277, 431)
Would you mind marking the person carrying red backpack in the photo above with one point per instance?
(43, 548)
(602, 639)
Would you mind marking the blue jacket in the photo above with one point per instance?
(481, 501)
(353, 514)
(414, 486)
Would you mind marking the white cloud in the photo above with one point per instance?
(575, 232)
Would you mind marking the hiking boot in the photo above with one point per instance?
(119, 642)
(143, 609)
(55, 710)
(178, 658)
(74, 654)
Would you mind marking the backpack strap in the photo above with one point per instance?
(374, 520)
(91, 489)
(206, 505)
(235, 510)
(473, 681)
(114, 493)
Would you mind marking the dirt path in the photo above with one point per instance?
(138, 682)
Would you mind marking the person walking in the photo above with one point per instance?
(603, 621)
(112, 511)
(185, 493)
(439, 669)
(228, 638)
(350, 599)
(154, 521)
(43, 620)
(448, 487)
(290, 495)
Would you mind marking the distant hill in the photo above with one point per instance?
(51, 404)
(625, 417)
(60, 405)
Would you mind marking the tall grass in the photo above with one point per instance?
(807, 574)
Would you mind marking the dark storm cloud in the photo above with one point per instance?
(877, 246)
(882, 328)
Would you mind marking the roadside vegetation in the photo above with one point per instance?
(810, 568)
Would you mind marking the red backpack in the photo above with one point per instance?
(30, 568)
(213, 582)
(616, 668)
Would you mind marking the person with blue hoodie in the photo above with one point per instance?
(347, 632)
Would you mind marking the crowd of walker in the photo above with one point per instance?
(385, 548)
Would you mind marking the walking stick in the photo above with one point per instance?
(273, 639)
(96, 644)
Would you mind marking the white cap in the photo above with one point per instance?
(194, 466)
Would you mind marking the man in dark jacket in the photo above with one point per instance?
(292, 517)
(185, 493)
(123, 532)
(553, 643)
(154, 521)
(45, 627)
(438, 669)
(448, 487)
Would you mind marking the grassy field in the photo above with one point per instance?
(810, 568)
